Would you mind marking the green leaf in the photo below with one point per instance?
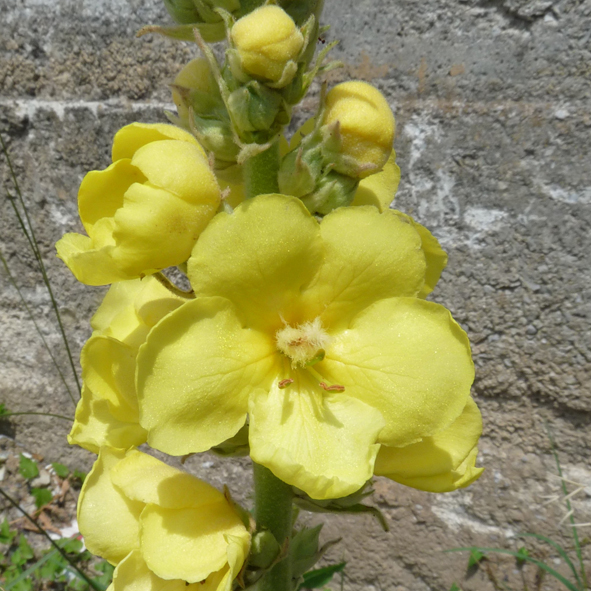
(107, 573)
(561, 551)
(475, 558)
(320, 577)
(542, 565)
(3, 410)
(6, 534)
(454, 587)
(522, 555)
(28, 468)
(61, 470)
(78, 475)
(42, 496)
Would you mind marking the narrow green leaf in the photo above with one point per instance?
(3, 410)
(28, 468)
(568, 584)
(25, 574)
(42, 496)
(61, 470)
(475, 558)
(322, 576)
(561, 551)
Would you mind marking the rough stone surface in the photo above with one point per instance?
(492, 104)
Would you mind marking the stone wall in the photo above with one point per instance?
(492, 105)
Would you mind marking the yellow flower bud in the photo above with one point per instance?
(267, 40)
(365, 129)
(145, 211)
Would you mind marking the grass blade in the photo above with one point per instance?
(25, 574)
(43, 414)
(568, 584)
(30, 234)
(560, 551)
(30, 313)
(51, 541)
(569, 509)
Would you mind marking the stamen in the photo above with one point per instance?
(332, 388)
(284, 383)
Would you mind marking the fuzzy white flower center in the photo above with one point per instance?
(302, 343)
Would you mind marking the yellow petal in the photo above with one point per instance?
(101, 191)
(409, 359)
(322, 444)
(379, 189)
(156, 229)
(195, 373)
(95, 426)
(437, 461)
(260, 257)
(435, 256)
(108, 520)
(144, 478)
(369, 256)
(108, 369)
(188, 544)
(129, 139)
(181, 168)
(464, 476)
(132, 574)
(131, 308)
(89, 265)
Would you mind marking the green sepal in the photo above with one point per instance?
(264, 549)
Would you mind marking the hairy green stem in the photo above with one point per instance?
(260, 172)
(273, 512)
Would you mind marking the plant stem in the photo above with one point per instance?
(260, 172)
(273, 511)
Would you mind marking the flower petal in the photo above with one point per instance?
(132, 574)
(369, 256)
(379, 189)
(181, 168)
(409, 359)
(195, 373)
(156, 229)
(434, 463)
(188, 544)
(323, 444)
(103, 510)
(464, 476)
(90, 265)
(144, 478)
(108, 369)
(259, 257)
(101, 191)
(435, 256)
(95, 425)
(129, 139)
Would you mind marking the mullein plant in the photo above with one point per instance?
(305, 339)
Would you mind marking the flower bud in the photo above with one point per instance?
(268, 43)
(358, 129)
(254, 106)
(144, 212)
(195, 87)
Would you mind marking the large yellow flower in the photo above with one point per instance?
(162, 527)
(107, 413)
(314, 331)
(145, 211)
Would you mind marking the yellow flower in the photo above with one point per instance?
(313, 330)
(365, 127)
(441, 463)
(145, 211)
(159, 525)
(268, 41)
(107, 413)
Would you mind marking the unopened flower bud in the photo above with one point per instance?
(268, 43)
(358, 128)
(254, 106)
